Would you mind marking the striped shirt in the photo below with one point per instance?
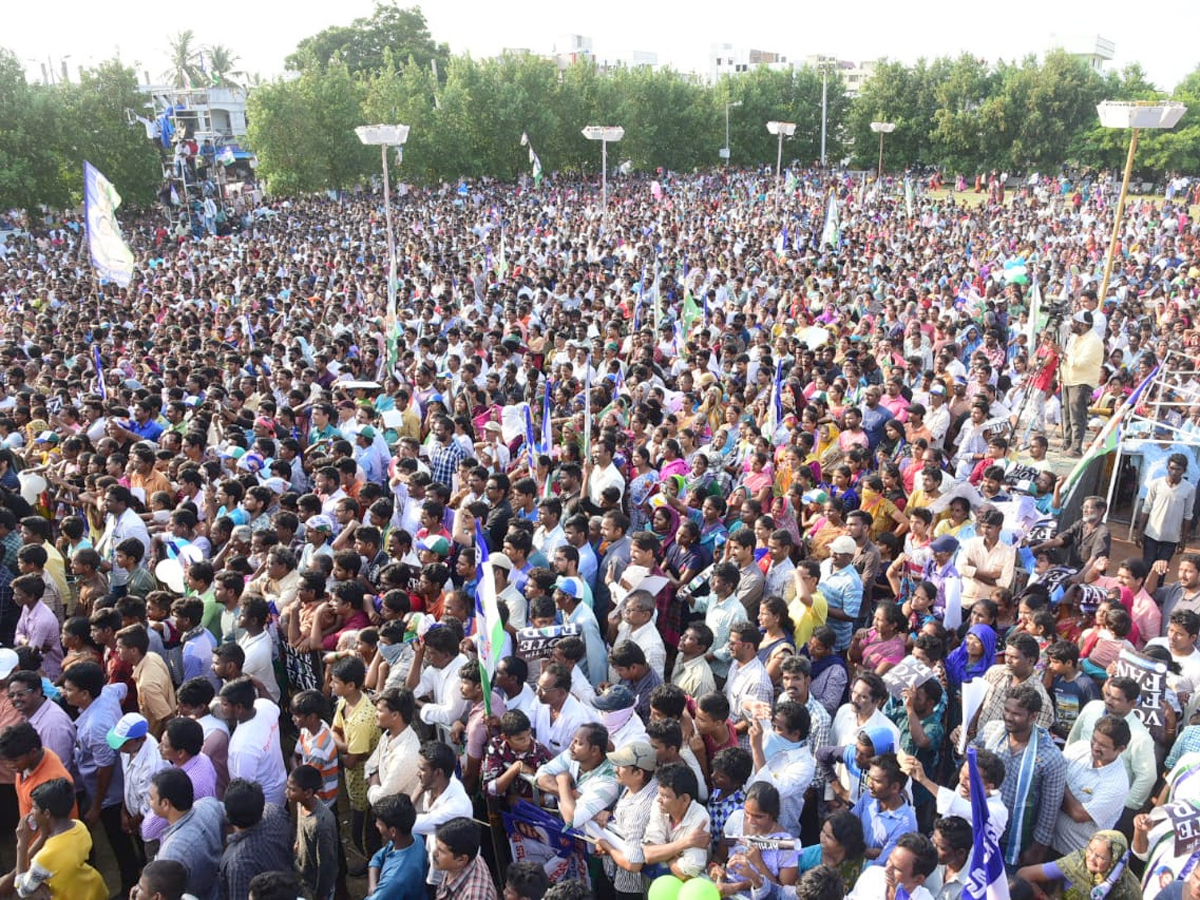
(319, 751)
(203, 775)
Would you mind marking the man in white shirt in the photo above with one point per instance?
(557, 715)
(256, 643)
(910, 863)
(637, 625)
(601, 474)
(937, 420)
(254, 751)
(783, 759)
(748, 683)
(439, 701)
(442, 797)
(1097, 785)
(581, 777)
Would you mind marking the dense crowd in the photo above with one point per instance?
(758, 474)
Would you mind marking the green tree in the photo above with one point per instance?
(28, 164)
(961, 88)
(302, 131)
(94, 128)
(362, 45)
(184, 53)
(223, 66)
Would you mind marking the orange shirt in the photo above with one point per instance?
(48, 769)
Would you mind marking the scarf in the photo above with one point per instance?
(1016, 825)
(959, 667)
(1117, 883)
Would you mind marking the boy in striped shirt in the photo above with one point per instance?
(315, 746)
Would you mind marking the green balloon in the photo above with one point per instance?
(665, 887)
(699, 889)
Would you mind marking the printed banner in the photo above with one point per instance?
(535, 835)
(1151, 676)
(110, 254)
(538, 643)
(908, 673)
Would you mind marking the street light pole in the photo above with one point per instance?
(604, 134)
(882, 128)
(782, 129)
(385, 136)
(728, 106)
(1134, 116)
(824, 105)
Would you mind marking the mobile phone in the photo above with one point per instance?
(31, 821)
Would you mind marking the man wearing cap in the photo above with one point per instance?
(635, 765)
(842, 588)
(617, 709)
(140, 759)
(941, 571)
(1080, 373)
(937, 420)
(986, 562)
(569, 596)
(518, 606)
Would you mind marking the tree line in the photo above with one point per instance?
(467, 116)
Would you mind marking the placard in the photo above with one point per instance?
(535, 835)
(1151, 676)
(1185, 820)
(538, 643)
(908, 673)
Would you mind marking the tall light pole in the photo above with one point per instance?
(604, 134)
(725, 150)
(824, 62)
(1134, 116)
(782, 130)
(384, 136)
(882, 128)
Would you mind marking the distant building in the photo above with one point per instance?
(215, 113)
(572, 48)
(1092, 49)
(854, 74)
(726, 59)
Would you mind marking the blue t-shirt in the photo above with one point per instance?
(401, 872)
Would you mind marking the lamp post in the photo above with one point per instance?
(384, 136)
(604, 134)
(725, 150)
(1134, 116)
(824, 62)
(782, 130)
(882, 128)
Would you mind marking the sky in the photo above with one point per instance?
(262, 34)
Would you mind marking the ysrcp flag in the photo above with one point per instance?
(110, 254)
(986, 879)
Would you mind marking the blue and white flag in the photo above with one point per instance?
(110, 254)
(101, 388)
(986, 879)
(547, 427)
(530, 444)
(831, 234)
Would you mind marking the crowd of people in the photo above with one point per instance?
(727, 454)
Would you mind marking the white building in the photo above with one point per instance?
(726, 59)
(215, 113)
(1092, 49)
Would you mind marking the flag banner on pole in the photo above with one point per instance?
(986, 879)
(908, 197)
(489, 630)
(101, 388)
(533, 160)
(1110, 435)
(547, 427)
(587, 409)
(1035, 311)
(831, 234)
(110, 254)
(530, 447)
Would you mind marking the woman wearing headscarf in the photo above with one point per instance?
(970, 659)
(1100, 871)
